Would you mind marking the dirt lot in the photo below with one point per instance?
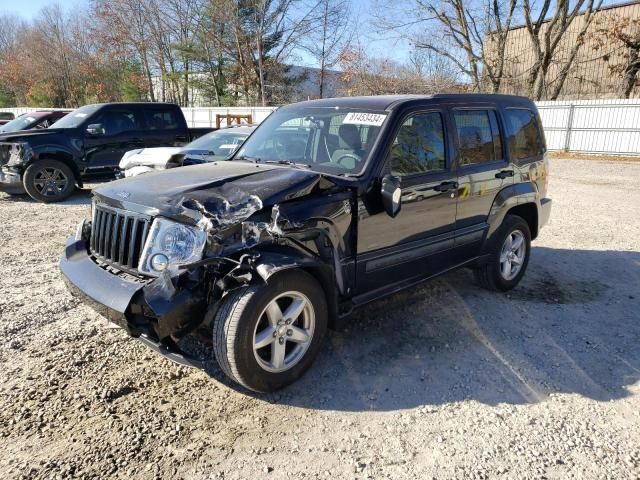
(442, 381)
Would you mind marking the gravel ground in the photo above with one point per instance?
(442, 381)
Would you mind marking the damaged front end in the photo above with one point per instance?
(247, 237)
(13, 158)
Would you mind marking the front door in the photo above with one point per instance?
(121, 131)
(402, 249)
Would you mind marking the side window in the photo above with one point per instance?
(478, 136)
(116, 122)
(525, 140)
(161, 119)
(419, 145)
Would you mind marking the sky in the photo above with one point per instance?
(28, 8)
(376, 45)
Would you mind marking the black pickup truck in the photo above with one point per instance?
(86, 146)
(328, 205)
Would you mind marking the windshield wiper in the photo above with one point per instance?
(288, 163)
(248, 159)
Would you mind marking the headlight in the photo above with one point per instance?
(169, 245)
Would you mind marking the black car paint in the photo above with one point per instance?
(90, 157)
(333, 227)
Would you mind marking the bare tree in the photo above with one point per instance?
(331, 35)
(619, 36)
(471, 36)
(546, 33)
(124, 24)
(366, 75)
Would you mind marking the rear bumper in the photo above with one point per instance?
(159, 309)
(545, 212)
(10, 182)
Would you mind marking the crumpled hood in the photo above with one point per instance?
(216, 190)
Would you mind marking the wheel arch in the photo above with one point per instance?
(521, 199)
(60, 156)
(529, 212)
(272, 263)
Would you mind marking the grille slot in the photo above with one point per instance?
(118, 236)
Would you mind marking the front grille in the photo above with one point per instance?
(118, 236)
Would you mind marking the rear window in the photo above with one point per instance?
(525, 140)
(161, 119)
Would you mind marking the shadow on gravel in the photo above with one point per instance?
(572, 326)
(79, 197)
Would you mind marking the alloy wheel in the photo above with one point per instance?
(284, 331)
(512, 255)
(50, 181)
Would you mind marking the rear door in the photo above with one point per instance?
(482, 170)
(122, 131)
(164, 126)
(407, 247)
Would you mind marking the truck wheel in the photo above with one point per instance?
(265, 337)
(49, 181)
(509, 256)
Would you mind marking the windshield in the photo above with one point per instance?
(23, 122)
(222, 142)
(330, 139)
(76, 118)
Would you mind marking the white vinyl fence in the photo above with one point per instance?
(609, 127)
(206, 116)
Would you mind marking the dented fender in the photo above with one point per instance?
(271, 263)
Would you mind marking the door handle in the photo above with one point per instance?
(181, 138)
(446, 186)
(504, 174)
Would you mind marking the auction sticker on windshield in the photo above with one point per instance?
(363, 118)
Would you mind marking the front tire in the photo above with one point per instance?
(509, 256)
(49, 181)
(265, 337)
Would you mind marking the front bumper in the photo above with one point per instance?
(106, 293)
(155, 308)
(10, 182)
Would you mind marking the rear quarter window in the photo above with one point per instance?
(162, 119)
(525, 138)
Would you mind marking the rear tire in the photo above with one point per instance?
(49, 181)
(508, 256)
(266, 336)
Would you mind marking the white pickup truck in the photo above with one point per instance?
(217, 145)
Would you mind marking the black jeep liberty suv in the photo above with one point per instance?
(328, 205)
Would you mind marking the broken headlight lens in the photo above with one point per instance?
(180, 244)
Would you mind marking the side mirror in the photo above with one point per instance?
(391, 195)
(95, 129)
